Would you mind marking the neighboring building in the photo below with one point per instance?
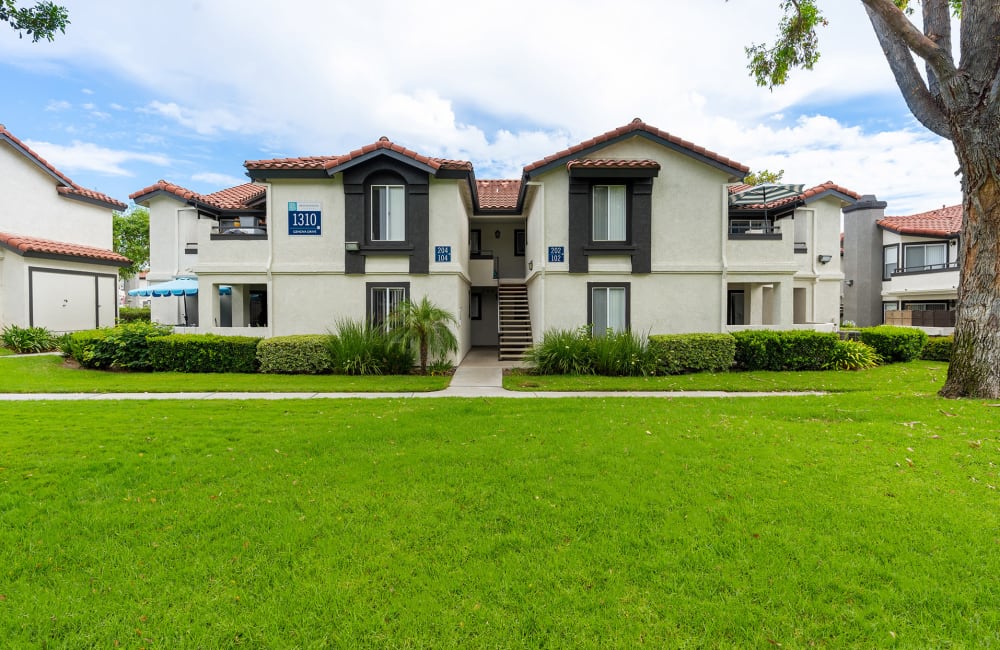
(57, 266)
(900, 270)
(634, 228)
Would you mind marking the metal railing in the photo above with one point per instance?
(753, 227)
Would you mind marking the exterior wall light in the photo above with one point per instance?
(351, 246)
(824, 259)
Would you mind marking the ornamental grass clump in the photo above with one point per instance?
(360, 348)
(579, 352)
(27, 340)
(853, 355)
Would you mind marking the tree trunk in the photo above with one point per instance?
(423, 356)
(974, 370)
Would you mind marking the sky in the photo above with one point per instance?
(187, 90)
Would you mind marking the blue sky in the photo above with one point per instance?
(186, 91)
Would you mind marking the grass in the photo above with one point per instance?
(917, 376)
(49, 374)
(858, 519)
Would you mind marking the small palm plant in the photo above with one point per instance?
(426, 325)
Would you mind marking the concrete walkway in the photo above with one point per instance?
(479, 375)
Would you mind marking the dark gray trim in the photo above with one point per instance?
(899, 260)
(822, 195)
(380, 169)
(97, 290)
(92, 201)
(269, 174)
(519, 251)
(673, 146)
(381, 155)
(225, 237)
(638, 223)
(953, 266)
(617, 285)
(616, 172)
(866, 202)
(763, 236)
(61, 257)
(383, 285)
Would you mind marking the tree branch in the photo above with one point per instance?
(927, 108)
(937, 27)
(894, 20)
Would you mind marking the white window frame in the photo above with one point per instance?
(614, 297)
(389, 215)
(381, 301)
(885, 260)
(605, 226)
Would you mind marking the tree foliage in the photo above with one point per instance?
(425, 325)
(764, 176)
(958, 100)
(130, 231)
(38, 22)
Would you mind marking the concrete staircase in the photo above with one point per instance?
(515, 321)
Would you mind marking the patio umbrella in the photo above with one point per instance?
(176, 287)
(764, 193)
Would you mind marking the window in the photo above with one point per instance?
(475, 241)
(925, 257)
(609, 213)
(519, 242)
(476, 306)
(890, 260)
(382, 300)
(609, 306)
(735, 307)
(889, 305)
(925, 306)
(388, 213)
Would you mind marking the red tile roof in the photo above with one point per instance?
(233, 198)
(498, 194)
(943, 222)
(69, 188)
(23, 245)
(609, 163)
(330, 162)
(636, 126)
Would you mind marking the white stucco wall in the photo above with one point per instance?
(59, 295)
(34, 208)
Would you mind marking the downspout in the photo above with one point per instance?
(544, 261)
(724, 299)
(270, 257)
(814, 262)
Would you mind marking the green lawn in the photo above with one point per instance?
(864, 519)
(50, 374)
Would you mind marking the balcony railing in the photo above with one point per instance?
(927, 268)
(752, 228)
(247, 228)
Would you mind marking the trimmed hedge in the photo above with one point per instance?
(133, 314)
(785, 350)
(683, 353)
(124, 347)
(303, 354)
(938, 348)
(894, 343)
(203, 353)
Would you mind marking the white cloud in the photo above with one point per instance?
(57, 105)
(219, 180)
(86, 156)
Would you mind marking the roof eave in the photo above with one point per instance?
(382, 151)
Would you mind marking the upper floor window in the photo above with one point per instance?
(388, 213)
(609, 213)
(890, 261)
(925, 257)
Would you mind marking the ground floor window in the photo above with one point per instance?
(942, 305)
(608, 307)
(383, 298)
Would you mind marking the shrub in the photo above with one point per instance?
(784, 350)
(683, 353)
(24, 340)
(622, 354)
(853, 355)
(359, 348)
(304, 354)
(125, 346)
(203, 353)
(563, 352)
(938, 348)
(893, 343)
(133, 314)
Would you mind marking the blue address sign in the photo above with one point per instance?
(557, 254)
(442, 253)
(305, 218)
